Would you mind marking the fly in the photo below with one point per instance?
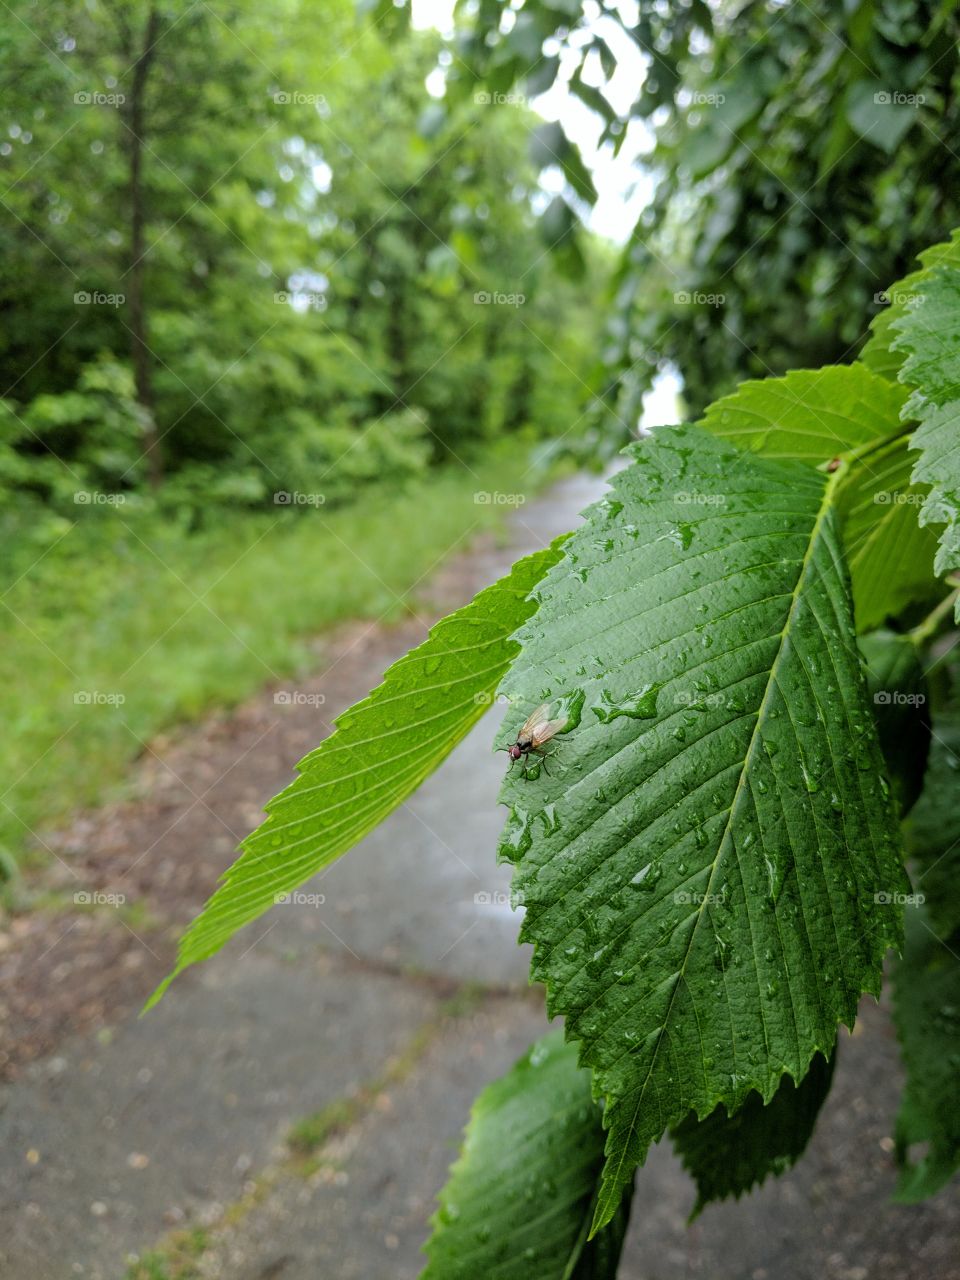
(534, 735)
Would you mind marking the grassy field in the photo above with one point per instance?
(127, 626)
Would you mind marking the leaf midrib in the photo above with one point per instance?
(826, 505)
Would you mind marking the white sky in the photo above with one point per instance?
(622, 188)
(623, 185)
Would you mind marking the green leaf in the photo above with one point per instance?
(927, 1013)
(577, 173)
(898, 690)
(558, 231)
(384, 747)
(871, 111)
(810, 415)
(878, 354)
(591, 97)
(889, 553)
(932, 831)
(701, 864)
(548, 142)
(814, 416)
(520, 1198)
(927, 333)
(728, 1155)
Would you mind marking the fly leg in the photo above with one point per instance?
(540, 763)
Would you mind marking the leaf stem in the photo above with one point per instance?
(930, 625)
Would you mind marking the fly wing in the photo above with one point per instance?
(533, 721)
(544, 731)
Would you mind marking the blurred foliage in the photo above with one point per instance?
(803, 152)
(315, 228)
(127, 627)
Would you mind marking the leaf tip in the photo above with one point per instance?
(157, 994)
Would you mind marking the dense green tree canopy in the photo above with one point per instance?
(803, 153)
(233, 270)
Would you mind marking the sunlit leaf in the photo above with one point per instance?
(382, 750)
(809, 415)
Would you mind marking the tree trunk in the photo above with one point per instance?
(140, 351)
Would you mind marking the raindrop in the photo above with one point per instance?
(647, 876)
(515, 839)
(641, 705)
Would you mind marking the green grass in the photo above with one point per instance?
(176, 1260)
(176, 624)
